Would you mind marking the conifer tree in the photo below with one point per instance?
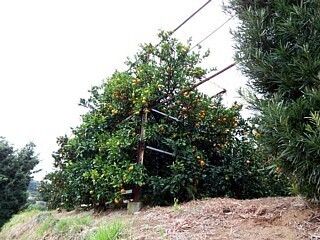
(278, 49)
(15, 175)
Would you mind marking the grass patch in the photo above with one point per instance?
(47, 223)
(20, 218)
(72, 225)
(35, 224)
(28, 224)
(111, 231)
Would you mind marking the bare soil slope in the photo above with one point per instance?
(217, 218)
(268, 218)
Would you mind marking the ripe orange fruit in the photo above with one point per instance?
(116, 201)
(123, 191)
(257, 134)
(202, 163)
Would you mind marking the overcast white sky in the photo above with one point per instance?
(52, 52)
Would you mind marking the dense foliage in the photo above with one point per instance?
(278, 49)
(15, 174)
(214, 152)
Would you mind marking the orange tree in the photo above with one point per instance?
(213, 153)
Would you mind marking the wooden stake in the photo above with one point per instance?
(141, 147)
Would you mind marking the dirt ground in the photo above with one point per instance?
(221, 218)
(217, 218)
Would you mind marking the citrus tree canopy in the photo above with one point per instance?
(208, 152)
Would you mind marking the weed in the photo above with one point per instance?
(41, 206)
(21, 217)
(48, 222)
(72, 225)
(294, 189)
(111, 231)
(129, 228)
(162, 232)
(146, 227)
(176, 205)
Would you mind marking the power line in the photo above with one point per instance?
(204, 80)
(198, 84)
(192, 15)
(214, 31)
(185, 21)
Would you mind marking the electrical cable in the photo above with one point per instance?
(214, 31)
(208, 78)
(198, 84)
(184, 22)
(191, 16)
